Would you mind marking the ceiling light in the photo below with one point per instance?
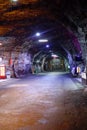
(14, 0)
(43, 40)
(47, 46)
(37, 34)
(54, 55)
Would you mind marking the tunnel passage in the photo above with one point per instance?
(45, 61)
(58, 24)
(59, 40)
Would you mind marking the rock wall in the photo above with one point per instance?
(16, 61)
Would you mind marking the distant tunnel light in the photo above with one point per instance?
(68, 66)
(43, 40)
(54, 55)
(47, 46)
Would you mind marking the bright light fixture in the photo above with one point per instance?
(43, 40)
(37, 34)
(47, 46)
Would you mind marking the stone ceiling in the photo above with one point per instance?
(57, 19)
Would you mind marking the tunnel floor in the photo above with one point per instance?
(47, 101)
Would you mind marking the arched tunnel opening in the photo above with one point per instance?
(55, 49)
(50, 61)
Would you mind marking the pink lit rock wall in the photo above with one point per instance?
(21, 61)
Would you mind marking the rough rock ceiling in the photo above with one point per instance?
(20, 20)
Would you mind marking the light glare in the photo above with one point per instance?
(54, 55)
(37, 34)
(0, 43)
(47, 46)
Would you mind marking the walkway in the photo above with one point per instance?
(51, 101)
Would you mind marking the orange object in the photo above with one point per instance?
(2, 72)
